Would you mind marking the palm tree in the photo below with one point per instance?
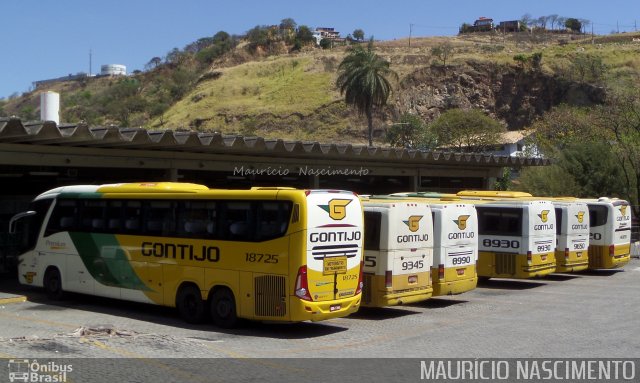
(362, 78)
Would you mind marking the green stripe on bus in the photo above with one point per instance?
(106, 260)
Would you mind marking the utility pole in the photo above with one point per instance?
(592, 36)
(410, 32)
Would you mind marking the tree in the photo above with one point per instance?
(573, 24)
(326, 43)
(363, 79)
(288, 23)
(358, 34)
(304, 35)
(553, 19)
(410, 132)
(443, 52)
(527, 20)
(154, 62)
(467, 131)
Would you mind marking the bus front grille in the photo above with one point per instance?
(270, 296)
(367, 288)
(505, 264)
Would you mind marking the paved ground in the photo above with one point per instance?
(589, 315)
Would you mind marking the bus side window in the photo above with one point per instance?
(63, 218)
(273, 219)
(240, 225)
(92, 215)
(372, 223)
(196, 219)
(114, 216)
(159, 218)
(597, 215)
(132, 214)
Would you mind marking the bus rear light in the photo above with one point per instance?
(360, 279)
(566, 254)
(612, 250)
(302, 284)
(388, 279)
(307, 192)
(441, 271)
(529, 258)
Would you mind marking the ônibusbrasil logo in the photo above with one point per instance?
(24, 370)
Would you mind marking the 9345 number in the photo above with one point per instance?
(412, 265)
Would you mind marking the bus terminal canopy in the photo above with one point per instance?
(73, 152)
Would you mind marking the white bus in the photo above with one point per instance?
(516, 238)
(572, 236)
(455, 251)
(610, 234)
(398, 252)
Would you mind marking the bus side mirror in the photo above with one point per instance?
(16, 218)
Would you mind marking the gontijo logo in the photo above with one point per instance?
(623, 209)
(413, 222)
(580, 216)
(337, 208)
(543, 215)
(461, 221)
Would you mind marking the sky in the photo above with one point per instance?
(43, 39)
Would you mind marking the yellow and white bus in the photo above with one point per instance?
(572, 226)
(516, 239)
(398, 252)
(572, 236)
(455, 247)
(275, 254)
(610, 234)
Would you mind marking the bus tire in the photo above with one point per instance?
(223, 308)
(190, 304)
(53, 284)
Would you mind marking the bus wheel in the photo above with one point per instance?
(53, 284)
(190, 304)
(223, 308)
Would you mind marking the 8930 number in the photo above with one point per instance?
(501, 243)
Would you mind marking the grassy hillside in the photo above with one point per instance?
(293, 96)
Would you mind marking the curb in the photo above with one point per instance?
(16, 299)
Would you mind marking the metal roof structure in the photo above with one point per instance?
(76, 138)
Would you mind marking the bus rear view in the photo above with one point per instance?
(610, 236)
(398, 253)
(516, 239)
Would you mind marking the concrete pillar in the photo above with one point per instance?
(314, 181)
(171, 175)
